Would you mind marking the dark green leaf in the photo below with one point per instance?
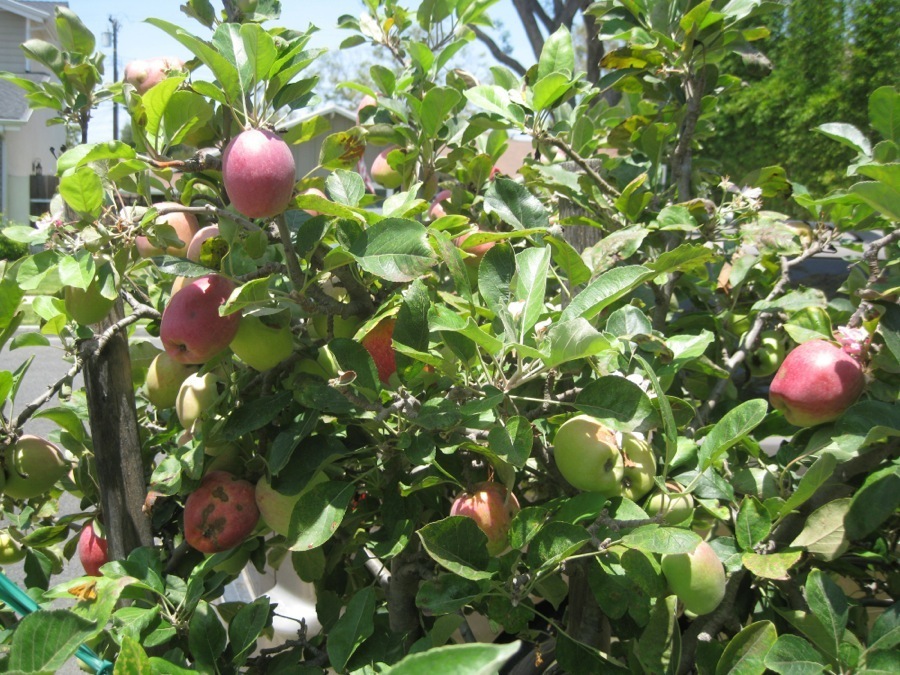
(255, 414)
(828, 604)
(467, 659)
(876, 501)
(746, 653)
(206, 635)
(576, 658)
(814, 477)
(792, 655)
(459, 545)
(735, 425)
(44, 640)
(394, 249)
(526, 524)
(318, 514)
(620, 403)
(512, 441)
(655, 539)
(555, 542)
(436, 105)
(752, 524)
(246, 626)
(446, 593)
(352, 629)
(515, 204)
(659, 647)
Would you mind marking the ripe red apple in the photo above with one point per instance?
(220, 514)
(383, 173)
(259, 173)
(33, 465)
(197, 394)
(146, 73)
(640, 467)
(697, 578)
(262, 345)
(437, 209)
(378, 343)
(185, 226)
(92, 550)
(492, 507)
(86, 305)
(214, 250)
(816, 383)
(164, 378)
(191, 329)
(588, 456)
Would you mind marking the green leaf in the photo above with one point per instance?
(752, 524)
(352, 629)
(735, 425)
(659, 647)
(771, 565)
(619, 403)
(318, 514)
(83, 191)
(876, 501)
(526, 524)
(206, 635)
(466, 659)
(74, 36)
(811, 481)
(746, 652)
(828, 604)
(577, 658)
(576, 339)
(555, 542)
(44, 640)
(656, 539)
(255, 414)
(548, 90)
(557, 55)
(132, 659)
(515, 205)
(884, 112)
(459, 545)
(306, 130)
(394, 249)
(512, 441)
(77, 271)
(351, 355)
(792, 655)
(346, 187)
(824, 533)
(532, 266)
(246, 627)
(605, 290)
(496, 100)
(341, 150)
(446, 593)
(436, 105)
(885, 632)
(495, 276)
(848, 135)
(881, 197)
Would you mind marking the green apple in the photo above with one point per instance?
(588, 456)
(697, 578)
(86, 305)
(11, 551)
(33, 465)
(676, 507)
(262, 345)
(640, 467)
(277, 508)
(197, 394)
(767, 357)
(164, 378)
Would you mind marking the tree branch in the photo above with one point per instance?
(140, 312)
(870, 256)
(705, 628)
(532, 31)
(290, 255)
(681, 157)
(52, 391)
(583, 164)
(497, 52)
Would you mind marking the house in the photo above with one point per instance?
(27, 144)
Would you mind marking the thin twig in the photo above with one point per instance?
(290, 255)
(140, 312)
(377, 568)
(583, 164)
(52, 391)
(870, 256)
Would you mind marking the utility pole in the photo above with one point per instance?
(112, 36)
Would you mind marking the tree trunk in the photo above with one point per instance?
(117, 447)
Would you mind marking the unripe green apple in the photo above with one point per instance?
(33, 465)
(383, 173)
(275, 508)
(86, 305)
(492, 507)
(816, 383)
(677, 508)
(197, 394)
(767, 357)
(697, 578)
(164, 378)
(260, 345)
(640, 467)
(588, 456)
(11, 551)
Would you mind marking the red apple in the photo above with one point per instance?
(383, 173)
(221, 513)
(378, 343)
(492, 507)
(215, 251)
(437, 210)
(476, 252)
(146, 73)
(191, 329)
(259, 173)
(185, 226)
(92, 550)
(816, 383)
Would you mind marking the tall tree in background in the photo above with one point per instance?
(827, 57)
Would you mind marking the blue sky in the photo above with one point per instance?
(138, 40)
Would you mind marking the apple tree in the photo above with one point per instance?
(482, 442)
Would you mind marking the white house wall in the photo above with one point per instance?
(30, 143)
